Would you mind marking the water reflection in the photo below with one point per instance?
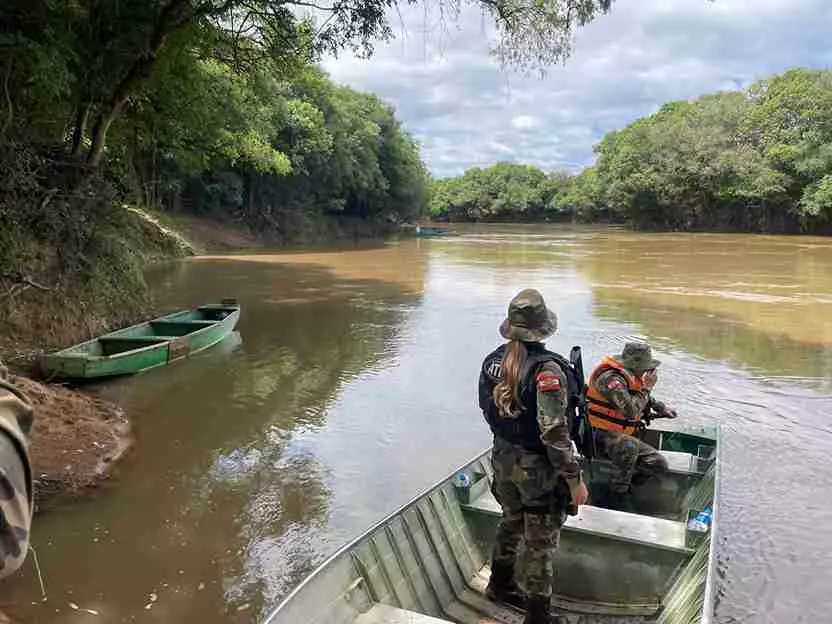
(219, 506)
(772, 357)
(776, 285)
(353, 388)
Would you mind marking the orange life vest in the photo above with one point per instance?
(602, 414)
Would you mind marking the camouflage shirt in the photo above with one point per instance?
(613, 387)
(15, 477)
(552, 418)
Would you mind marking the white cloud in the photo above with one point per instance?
(466, 112)
(523, 122)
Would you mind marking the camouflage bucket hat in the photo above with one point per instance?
(638, 356)
(529, 319)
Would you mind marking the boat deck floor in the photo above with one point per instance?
(472, 607)
(385, 614)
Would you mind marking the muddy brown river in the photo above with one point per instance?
(350, 387)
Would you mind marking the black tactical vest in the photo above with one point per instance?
(522, 430)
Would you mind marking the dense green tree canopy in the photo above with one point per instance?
(95, 57)
(503, 192)
(756, 160)
(208, 106)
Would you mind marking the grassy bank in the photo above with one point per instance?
(71, 253)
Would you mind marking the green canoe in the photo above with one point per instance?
(427, 563)
(146, 345)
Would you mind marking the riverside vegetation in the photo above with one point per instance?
(757, 160)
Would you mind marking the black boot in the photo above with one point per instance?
(537, 612)
(503, 588)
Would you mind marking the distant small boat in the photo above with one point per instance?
(429, 232)
(146, 345)
(427, 563)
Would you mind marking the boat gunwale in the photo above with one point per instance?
(346, 547)
(708, 599)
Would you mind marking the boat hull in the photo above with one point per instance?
(144, 346)
(429, 559)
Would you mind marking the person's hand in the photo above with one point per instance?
(650, 378)
(670, 413)
(580, 494)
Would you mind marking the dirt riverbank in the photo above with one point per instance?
(76, 440)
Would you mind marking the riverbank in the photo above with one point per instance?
(76, 441)
(206, 235)
(77, 438)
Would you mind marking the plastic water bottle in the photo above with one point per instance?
(701, 522)
(462, 480)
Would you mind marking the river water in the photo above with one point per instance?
(351, 387)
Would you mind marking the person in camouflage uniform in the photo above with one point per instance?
(15, 476)
(523, 395)
(618, 397)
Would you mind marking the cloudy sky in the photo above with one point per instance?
(465, 111)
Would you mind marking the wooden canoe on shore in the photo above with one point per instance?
(427, 563)
(145, 345)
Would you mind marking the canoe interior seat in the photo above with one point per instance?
(179, 328)
(607, 523)
(677, 461)
(214, 313)
(385, 614)
(111, 345)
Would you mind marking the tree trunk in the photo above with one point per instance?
(79, 131)
(99, 137)
(9, 103)
(174, 15)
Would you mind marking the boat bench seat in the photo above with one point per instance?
(678, 463)
(609, 523)
(385, 614)
(684, 463)
(179, 328)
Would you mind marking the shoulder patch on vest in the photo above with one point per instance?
(494, 369)
(548, 382)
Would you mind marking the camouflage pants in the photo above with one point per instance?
(634, 460)
(533, 505)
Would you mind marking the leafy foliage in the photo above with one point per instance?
(503, 192)
(754, 160)
(751, 160)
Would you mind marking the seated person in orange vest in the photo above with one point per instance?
(618, 395)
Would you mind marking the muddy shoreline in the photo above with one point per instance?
(76, 441)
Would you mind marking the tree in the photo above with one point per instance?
(505, 191)
(755, 160)
(743, 160)
(110, 50)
